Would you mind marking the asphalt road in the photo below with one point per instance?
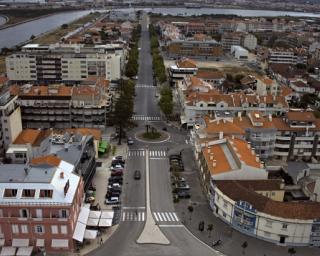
(123, 241)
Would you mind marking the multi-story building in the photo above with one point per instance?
(67, 63)
(297, 136)
(249, 41)
(230, 39)
(256, 208)
(207, 48)
(182, 68)
(10, 119)
(288, 56)
(78, 149)
(60, 106)
(227, 159)
(40, 204)
(197, 104)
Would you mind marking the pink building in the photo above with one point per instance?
(39, 205)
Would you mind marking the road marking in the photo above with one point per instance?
(133, 207)
(156, 217)
(166, 217)
(170, 226)
(146, 118)
(175, 216)
(133, 215)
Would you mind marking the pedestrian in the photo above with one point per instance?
(101, 241)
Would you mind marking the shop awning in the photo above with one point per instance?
(8, 251)
(25, 251)
(105, 223)
(95, 214)
(93, 222)
(60, 243)
(90, 234)
(78, 233)
(20, 242)
(84, 215)
(40, 243)
(107, 215)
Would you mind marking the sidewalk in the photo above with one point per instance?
(100, 180)
(231, 239)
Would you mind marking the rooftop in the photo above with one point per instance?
(305, 116)
(239, 191)
(210, 74)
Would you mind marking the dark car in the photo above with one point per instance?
(171, 157)
(115, 179)
(110, 194)
(117, 173)
(183, 194)
(120, 158)
(117, 162)
(137, 175)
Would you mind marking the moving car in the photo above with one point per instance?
(137, 175)
(112, 200)
(130, 141)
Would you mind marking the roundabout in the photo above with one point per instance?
(152, 136)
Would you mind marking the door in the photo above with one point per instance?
(282, 239)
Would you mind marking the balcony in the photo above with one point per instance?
(280, 153)
(277, 145)
(284, 137)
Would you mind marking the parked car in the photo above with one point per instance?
(114, 185)
(120, 158)
(117, 173)
(110, 194)
(130, 141)
(137, 175)
(183, 194)
(115, 179)
(112, 200)
(115, 163)
(116, 166)
(171, 157)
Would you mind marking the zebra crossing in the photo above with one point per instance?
(145, 86)
(165, 217)
(153, 154)
(133, 215)
(136, 153)
(146, 118)
(157, 153)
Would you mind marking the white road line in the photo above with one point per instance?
(133, 207)
(175, 216)
(164, 216)
(139, 216)
(167, 215)
(123, 216)
(170, 226)
(160, 216)
(171, 216)
(156, 217)
(142, 216)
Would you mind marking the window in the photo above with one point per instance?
(54, 229)
(273, 193)
(24, 229)
(38, 213)
(46, 193)
(225, 204)
(224, 214)
(24, 213)
(15, 228)
(10, 192)
(64, 229)
(64, 213)
(39, 229)
(284, 226)
(28, 192)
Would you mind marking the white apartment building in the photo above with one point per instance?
(68, 63)
(250, 207)
(10, 120)
(239, 53)
(288, 56)
(249, 41)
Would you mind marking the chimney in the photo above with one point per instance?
(220, 135)
(211, 157)
(270, 117)
(257, 159)
(61, 175)
(252, 151)
(248, 145)
(209, 150)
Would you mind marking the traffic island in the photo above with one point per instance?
(152, 136)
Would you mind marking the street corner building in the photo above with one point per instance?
(39, 206)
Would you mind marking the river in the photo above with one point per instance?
(239, 12)
(15, 35)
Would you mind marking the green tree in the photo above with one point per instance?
(165, 103)
(123, 109)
